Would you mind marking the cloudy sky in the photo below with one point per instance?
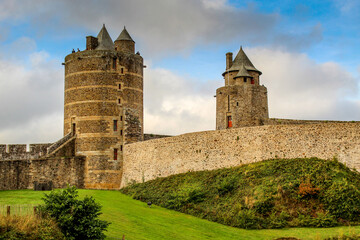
(308, 51)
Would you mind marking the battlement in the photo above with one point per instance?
(23, 151)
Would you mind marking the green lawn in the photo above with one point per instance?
(137, 221)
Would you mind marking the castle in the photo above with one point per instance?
(104, 144)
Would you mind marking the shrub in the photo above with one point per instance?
(29, 228)
(187, 194)
(342, 199)
(77, 219)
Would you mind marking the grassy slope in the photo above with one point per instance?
(137, 221)
(269, 194)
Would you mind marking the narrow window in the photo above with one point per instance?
(120, 118)
(119, 86)
(73, 128)
(237, 104)
(229, 122)
(115, 125)
(120, 147)
(245, 79)
(115, 153)
(119, 101)
(122, 70)
(252, 81)
(121, 132)
(114, 63)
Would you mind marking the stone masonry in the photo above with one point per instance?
(104, 146)
(233, 147)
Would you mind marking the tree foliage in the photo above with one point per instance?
(77, 219)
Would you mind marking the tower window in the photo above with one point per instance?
(114, 63)
(237, 104)
(120, 118)
(115, 154)
(119, 86)
(73, 128)
(115, 127)
(252, 81)
(121, 132)
(119, 100)
(229, 122)
(245, 79)
(121, 148)
(122, 70)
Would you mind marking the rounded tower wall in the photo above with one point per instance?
(101, 88)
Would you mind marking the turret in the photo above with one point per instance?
(124, 43)
(242, 101)
(104, 105)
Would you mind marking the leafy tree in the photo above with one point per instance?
(77, 219)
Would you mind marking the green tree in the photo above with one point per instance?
(77, 219)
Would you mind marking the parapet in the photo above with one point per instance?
(20, 151)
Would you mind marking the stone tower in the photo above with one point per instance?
(104, 105)
(242, 101)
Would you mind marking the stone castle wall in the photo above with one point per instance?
(19, 151)
(232, 147)
(21, 174)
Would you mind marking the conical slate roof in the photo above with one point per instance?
(242, 59)
(124, 35)
(243, 72)
(104, 40)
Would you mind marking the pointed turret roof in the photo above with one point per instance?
(124, 35)
(242, 59)
(104, 40)
(243, 72)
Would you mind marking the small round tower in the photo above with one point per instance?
(104, 105)
(242, 101)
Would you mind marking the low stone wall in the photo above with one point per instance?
(19, 152)
(21, 174)
(280, 121)
(209, 150)
(150, 136)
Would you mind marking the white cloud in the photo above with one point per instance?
(300, 88)
(31, 94)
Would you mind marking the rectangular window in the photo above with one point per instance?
(119, 101)
(115, 154)
(229, 122)
(119, 86)
(120, 118)
(120, 147)
(115, 125)
(114, 63)
(121, 132)
(245, 79)
(122, 70)
(252, 81)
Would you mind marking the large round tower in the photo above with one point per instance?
(104, 105)
(242, 101)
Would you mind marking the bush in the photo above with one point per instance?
(77, 219)
(29, 228)
(186, 195)
(342, 199)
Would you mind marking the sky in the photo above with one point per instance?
(308, 52)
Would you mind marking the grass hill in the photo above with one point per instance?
(275, 193)
(137, 221)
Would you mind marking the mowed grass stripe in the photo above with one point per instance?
(137, 221)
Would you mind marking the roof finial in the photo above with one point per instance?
(103, 24)
(240, 47)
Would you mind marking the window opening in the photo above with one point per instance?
(252, 81)
(115, 125)
(115, 153)
(229, 122)
(114, 63)
(120, 118)
(122, 70)
(121, 148)
(121, 132)
(119, 101)
(119, 86)
(245, 79)
(73, 128)
(237, 104)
